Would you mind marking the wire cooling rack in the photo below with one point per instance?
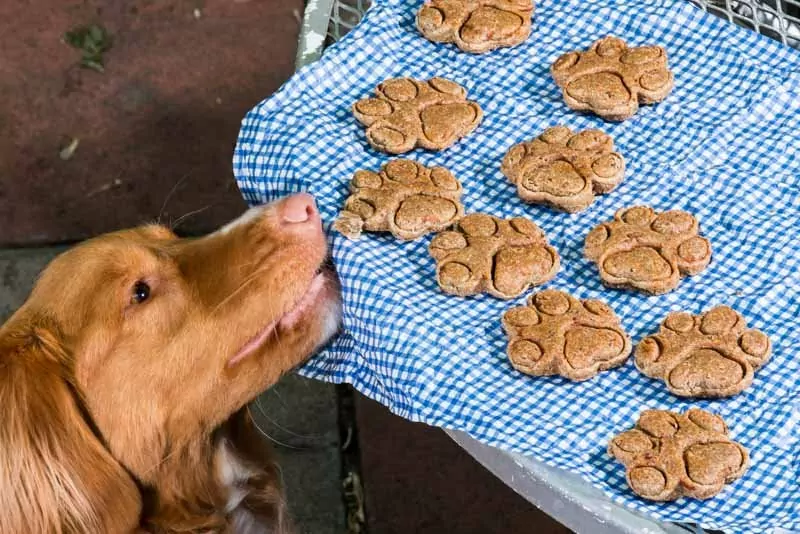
(344, 15)
(778, 19)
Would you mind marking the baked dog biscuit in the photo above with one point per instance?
(611, 79)
(563, 169)
(476, 25)
(497, 256)
(649, 251)
(669, 455)
(408, 113)
(557, 334)
(405, 198)
(713, 354)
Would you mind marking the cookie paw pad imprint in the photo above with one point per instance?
(649, 251)
(713, 354)
(497, 256)
(611, 79)
(405, 198)
(563, 169)
(669, 455)
(408, 113)
(476, 25)
(557, 334)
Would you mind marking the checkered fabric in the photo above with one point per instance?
(725, 146)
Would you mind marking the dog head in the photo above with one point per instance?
(137, 342)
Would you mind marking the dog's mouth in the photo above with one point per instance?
(288, 320)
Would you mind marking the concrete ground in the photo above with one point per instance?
(150, 138)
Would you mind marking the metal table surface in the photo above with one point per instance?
(562, 495)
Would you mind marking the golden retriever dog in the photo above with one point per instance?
(124, 378)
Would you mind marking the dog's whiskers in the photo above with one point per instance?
(235, 292)
(310, 437)
(185, 216)
(273, 439)
(169, 195)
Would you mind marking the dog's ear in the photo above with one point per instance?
(55, 474)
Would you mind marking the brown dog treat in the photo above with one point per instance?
(476, 25)
(563, 169)
(501, 257)
(709, 355)
(643, 250)
(410, 113)
(611, 79)
(669, 455)
(557, 334)
(404, 198)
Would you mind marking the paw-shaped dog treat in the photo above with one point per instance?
(611, 79)
(476, 25)
(564, 170)
(409, 113)
(404, 198)
(557, 334)
(501, 257)
(641, 249)
(669, 455)
(709, 355)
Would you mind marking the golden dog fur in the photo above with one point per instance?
(127, 414)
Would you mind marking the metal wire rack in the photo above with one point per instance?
(778, 19)
(345, 15)
(327, 21)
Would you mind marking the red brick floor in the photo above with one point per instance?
(164, 115)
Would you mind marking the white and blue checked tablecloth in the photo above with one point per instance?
(725, 145)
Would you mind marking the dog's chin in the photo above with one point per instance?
(329, 316)
(317, 313)
(325, 317)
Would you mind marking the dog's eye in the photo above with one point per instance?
(141, 292)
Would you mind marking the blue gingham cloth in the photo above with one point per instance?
(725, 145)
